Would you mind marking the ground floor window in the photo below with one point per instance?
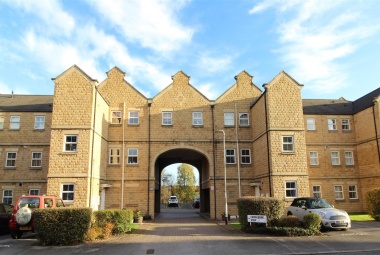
(68, 192)
(352, 192)
(34, 192)
(291, 189)
(8, 196)
(338, 192)
(317, 191)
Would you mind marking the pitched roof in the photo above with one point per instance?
(26, 103)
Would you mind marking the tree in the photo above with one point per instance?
(185, 189)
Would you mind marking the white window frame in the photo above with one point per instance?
(197, 118)
(133, 154)
(317, 191)
(39, 122)
(313, 157)
(310, 123)
(287, 143)
(338, 192)
(7, 196)
(133, 118)
(167, 118)
(346, 124)
(2, 120)
(68, 192)
(352, 191)
(349, 158)
(230, 156)
(71, 146)
(331, 124)
(116, 117)
(245, 155)
(290, 189)
(14, 122)
(229, 119)
(335, 158)
(114, 159)
(34, 192)
(36, 162)
(10, 160)
(243, 119)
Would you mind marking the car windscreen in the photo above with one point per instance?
(319, 203)
(29, 202)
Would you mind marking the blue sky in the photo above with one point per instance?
(331, 47)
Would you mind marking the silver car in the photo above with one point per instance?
(331, 218)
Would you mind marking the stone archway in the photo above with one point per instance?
(190, 156)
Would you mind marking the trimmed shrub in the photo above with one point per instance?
(373, 203)
(312, 221)
(273, 208)
(62, 226)
(113, 221)
(289, 221)
(282, 231)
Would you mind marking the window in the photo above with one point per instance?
(2, 118)
(345, 124)
(335, 160)
(338, 192)
(331, 124)
(313, 158)
(229, 119)
(71, 142)
(7, 196)
(197, 119)
(245, 156)
(68, 192)
(310, 124)
(132, 156)
(34, 192)
(287, 144)
(243, 119)
(352, 192)
(349, 158)
(114, 156)
(167, 118)
(115, 117)
(36, 159)
(317, 191)
(39, 122)
(11, 159)
(133, 118)
(230, 156)
(14, 122)
(290, 189)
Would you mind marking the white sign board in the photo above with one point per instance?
(257, 218)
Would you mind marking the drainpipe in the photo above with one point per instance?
(213, 154)
(149, 105)
(92, 149)
(268, 151)
(377, 138)
(123, 160)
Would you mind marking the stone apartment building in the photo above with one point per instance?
(104, 145)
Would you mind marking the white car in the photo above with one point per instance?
(331, 218)
(173, 201)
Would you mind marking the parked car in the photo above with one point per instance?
(196, 202)
(331, 218)
(173, 201)
(22, 219)
(5, 216)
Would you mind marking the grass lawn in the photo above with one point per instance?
(360, 216)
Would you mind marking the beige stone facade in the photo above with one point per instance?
(105, 145)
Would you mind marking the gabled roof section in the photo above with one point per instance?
(26, 103)
(366, 101)
(327, 106)
(278, 76)
(76, 69)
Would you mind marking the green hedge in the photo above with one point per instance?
(273, 208)
(62, 226)
(373, 203)
(121, 219)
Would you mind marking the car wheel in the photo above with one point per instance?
(16, 234)
(289, 213)
(23, 215)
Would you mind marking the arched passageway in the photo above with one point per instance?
(191, 157)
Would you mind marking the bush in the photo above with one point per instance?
(62, 226)
(373, 203)
(312, 221)
(112, 222)
(289, 221)
(273, 208)
(282, 231)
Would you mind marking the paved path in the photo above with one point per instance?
(185, 232)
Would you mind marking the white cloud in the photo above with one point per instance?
(151, 23)
(6, 89)
(208, 90)
(214, 64)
